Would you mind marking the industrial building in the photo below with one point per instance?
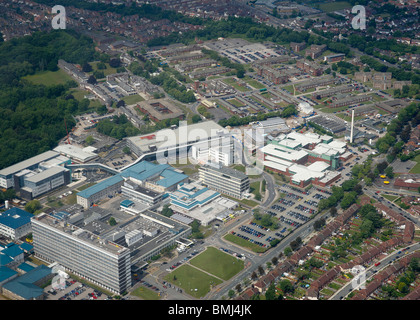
(76, 153)
(175, 142)
(305, 158)
(330, 124)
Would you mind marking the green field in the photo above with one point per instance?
(218, 263)
(233, 83)
(109, 70)
(244, 243)
(416, 168)
(254, 83)
(132, 99)
(49, 78)
(334, 6)
(236, 102)
(145, 294)
(193, 281)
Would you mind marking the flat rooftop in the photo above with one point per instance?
(80, 234)
(29, 162)
(181, 135)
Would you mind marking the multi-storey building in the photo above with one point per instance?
(310, 67)
(225, 180)
(7, 174)
(83, 253)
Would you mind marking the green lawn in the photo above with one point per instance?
(244, 243)
(389, 197)
(109, 70)
(253, 83)
(218, 263)
(334, 6)
(49, 78)
(233, 83)
(145, 293)
(193, 281)
(132, 99)
(416, 168)
(236, 102)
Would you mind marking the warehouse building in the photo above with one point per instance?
(174, 143)
(305, 158)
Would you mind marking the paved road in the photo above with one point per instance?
(371, 271)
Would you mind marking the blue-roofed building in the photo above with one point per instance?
(5, 260)
(7, 274)
(27, 286)
(13, 251)
(192, 195)
(156, 178)
(24, 267)
(26, 247)
(15, 223)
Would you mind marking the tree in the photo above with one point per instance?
(91, 80)
(240, 73)
(261, 270)
(167, 212)
(86, 67)
(348, 199)
(33, 206)
(286, 286)
(270, 294)
(114, 62)
(112, 221)
(120, 103)
(89, 140)
(195, 118)
(126, 150)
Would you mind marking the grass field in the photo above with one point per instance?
(109, 70)
(218, 263)
(233, 83)
(193, 281)
(145, 294)
(333, 6)
(416, 168)
(244, 243)
(236, 102)
(49, 78)
(132, 99)
(390, 197)
(254, 83)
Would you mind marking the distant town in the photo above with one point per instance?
(196, 162)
